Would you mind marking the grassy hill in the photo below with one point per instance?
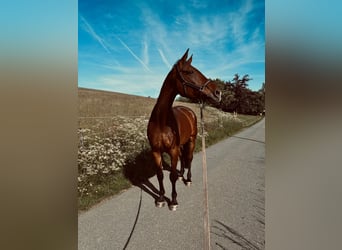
(104, 103)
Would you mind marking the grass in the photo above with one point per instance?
(105, 187)
(113, 149)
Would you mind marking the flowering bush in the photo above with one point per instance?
(104, 150)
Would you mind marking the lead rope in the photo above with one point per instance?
(135, 222)
(206, 225)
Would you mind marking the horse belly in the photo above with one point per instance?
(187, 123)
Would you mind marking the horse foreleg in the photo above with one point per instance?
(173, 178)
(160, 201)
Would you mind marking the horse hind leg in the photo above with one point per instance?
(188, 156)
(182, 161)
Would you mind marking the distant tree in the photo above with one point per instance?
(262, 93)
(241, 92)
(256, 102)
(228, 97)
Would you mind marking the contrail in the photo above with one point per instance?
(134, 55)
(145, 52)
(92, 32)
(164, 58)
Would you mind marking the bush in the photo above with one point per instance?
(103, 152)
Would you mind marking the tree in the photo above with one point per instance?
(240, 92)
(262, 93)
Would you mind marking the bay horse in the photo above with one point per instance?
(174, 129)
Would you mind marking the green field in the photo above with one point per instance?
(113, 149)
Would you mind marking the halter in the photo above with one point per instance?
(190, 84)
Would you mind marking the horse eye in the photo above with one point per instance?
(188, 72)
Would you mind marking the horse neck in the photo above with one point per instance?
(163, 108)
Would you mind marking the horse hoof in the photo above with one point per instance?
(180, 178)
(160, 203)
(173, 207)
(188, 183)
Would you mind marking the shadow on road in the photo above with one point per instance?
(141, 169)
(226, 232)
(248, 139)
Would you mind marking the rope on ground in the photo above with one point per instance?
(135, 222)
(206, 224)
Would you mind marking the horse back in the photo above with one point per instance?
(186, 122)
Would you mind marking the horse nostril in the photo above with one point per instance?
(218, 95)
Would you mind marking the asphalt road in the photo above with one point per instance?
(236, 186)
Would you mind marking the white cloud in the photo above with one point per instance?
(138, 83)
(159, 35)
(198, 4)
(145, 55)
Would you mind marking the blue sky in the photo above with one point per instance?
(130, 46)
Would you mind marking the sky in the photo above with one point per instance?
(130, 46)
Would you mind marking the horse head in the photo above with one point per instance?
(191, 83)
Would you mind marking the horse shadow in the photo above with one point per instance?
(139, 170)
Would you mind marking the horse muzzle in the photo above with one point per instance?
(215, 96)
(218, 95)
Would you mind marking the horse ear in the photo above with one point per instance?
(189, 61)
(185, 56)
(187, 64)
